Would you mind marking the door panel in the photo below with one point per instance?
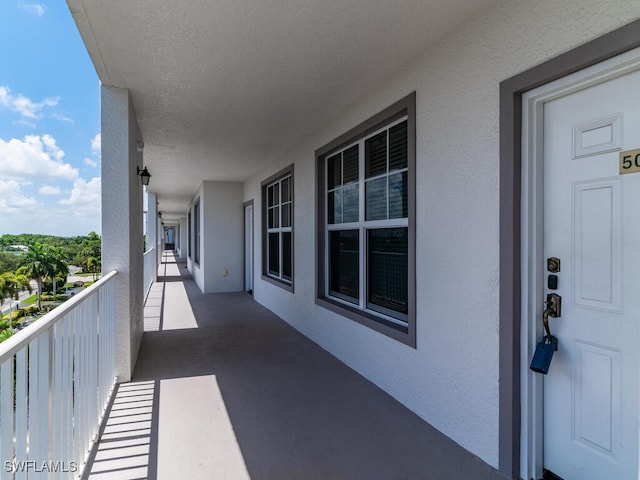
(592, 223)
(597, 400)
(597, 233)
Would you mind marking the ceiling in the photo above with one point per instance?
(221, 86)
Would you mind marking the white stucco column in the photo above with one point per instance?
(122, 216)
(152, 232)
(159, 239)
(184, 238)
(221, 267)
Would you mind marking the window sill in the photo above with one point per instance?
(403, 334)
(278, 283)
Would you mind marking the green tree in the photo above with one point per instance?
(3, 290)
(56, 265)
(88, 248)
(11, 285)
(75, 250)
(93, 265)
(36, 266)
(8, 262)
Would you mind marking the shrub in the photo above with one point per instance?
(5, 334)
(46, 297)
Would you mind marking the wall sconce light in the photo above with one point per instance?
(144, 175)
(140, 145)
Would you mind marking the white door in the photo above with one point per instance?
(592, 224)
(248, 248)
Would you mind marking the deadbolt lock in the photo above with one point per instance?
(553, 264)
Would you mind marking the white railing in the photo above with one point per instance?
(149, 259)
(56, 379)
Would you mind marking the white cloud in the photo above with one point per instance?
(13, 200)
(76, 215)
(23, 105)
(96, 146)
(96, 143)
(50, 144)
(36, 9)
(26, 123)
(48, 190)
(62, 118)
(85, 198)
(35, 157)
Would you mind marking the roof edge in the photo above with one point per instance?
(79, 14)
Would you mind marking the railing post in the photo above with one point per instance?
(21, 423)
(92, 341)
(6, 413)
(48, 438)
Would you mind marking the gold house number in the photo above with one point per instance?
(630, 161)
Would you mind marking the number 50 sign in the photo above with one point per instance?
(630, 161)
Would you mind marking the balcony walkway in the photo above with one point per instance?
(224, 389)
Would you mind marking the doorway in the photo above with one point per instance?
(581, 420)
(169, 238)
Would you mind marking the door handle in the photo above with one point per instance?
(544, 350)
(553, 309)
(554, 305)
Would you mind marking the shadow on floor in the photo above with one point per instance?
(238, 393)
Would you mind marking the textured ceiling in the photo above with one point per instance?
(220, 86)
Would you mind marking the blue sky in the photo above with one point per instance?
(49, 123)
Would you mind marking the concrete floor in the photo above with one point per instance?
(224, 389)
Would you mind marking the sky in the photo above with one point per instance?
(49, 123)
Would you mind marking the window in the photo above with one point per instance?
(277, 202)
(196, 233)
(189, 233)
(366, 233)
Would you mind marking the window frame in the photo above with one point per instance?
(189, 235)
(277, 178)
(362, 313)
(196, 232)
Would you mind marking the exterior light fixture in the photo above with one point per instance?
(144, 175)
(140, 145)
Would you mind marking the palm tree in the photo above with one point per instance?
(94, 265)
(3, 290)
(56, 265)
(11, 284)
(36, 265)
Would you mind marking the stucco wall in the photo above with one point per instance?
(122, 227)
(451, 379)
(152, 233)
(221, 254)
(183, 236)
